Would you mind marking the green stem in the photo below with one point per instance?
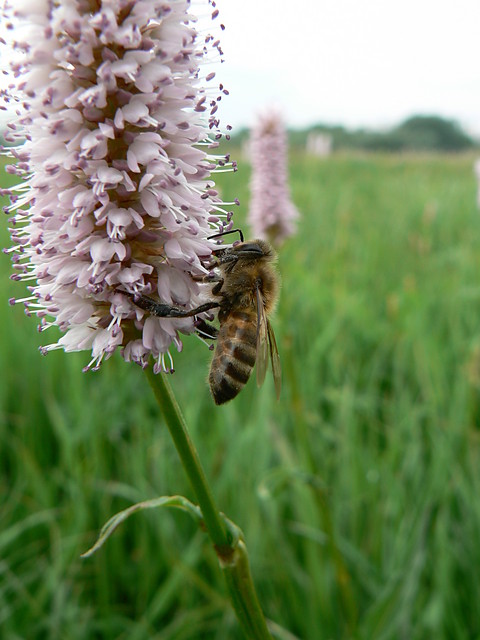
(189, 458)
(242, 593)
(232, 554)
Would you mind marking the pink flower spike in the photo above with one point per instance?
(116, 195)
(272, 215)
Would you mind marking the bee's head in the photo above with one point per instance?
(249, 251)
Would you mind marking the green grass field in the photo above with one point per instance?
(358, 492)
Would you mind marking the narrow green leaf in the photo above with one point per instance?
(176, 502)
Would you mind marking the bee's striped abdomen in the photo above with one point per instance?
(234, 356)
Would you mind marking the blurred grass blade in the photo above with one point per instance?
(176, 502)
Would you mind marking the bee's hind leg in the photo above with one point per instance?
(162, 310)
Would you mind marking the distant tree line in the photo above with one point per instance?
(418, 133)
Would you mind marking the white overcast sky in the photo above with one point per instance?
(358, 63)
(369, 63)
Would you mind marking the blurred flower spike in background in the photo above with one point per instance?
(115, 125)
(272, 215)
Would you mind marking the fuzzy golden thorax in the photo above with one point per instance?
(245, 267)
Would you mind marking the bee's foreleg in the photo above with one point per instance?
(211, 278)
(217, 288)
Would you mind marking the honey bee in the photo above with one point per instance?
(246, 291)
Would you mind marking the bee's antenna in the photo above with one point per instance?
(224, 233)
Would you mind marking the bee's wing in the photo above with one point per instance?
(275, 358)
(262, 339)
(266, 344)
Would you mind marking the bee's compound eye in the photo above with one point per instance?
(249, 250)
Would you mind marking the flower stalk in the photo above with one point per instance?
(227, 539)
(115, 125)
(189, 457)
